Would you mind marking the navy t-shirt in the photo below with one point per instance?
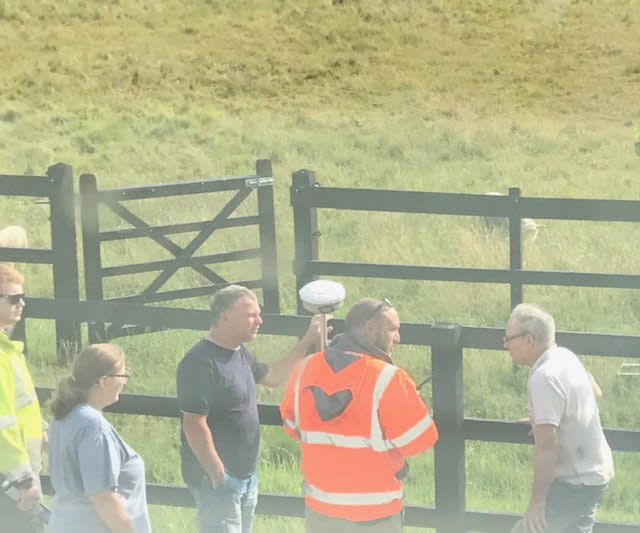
(221, 384)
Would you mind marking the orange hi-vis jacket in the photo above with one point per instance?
(356, 424)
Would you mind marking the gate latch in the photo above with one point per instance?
(258, 182)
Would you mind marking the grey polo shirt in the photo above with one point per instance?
(561, 394)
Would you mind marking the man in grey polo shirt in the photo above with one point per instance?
(573, 462)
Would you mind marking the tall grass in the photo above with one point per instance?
(458, 96)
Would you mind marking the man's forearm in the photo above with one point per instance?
(546, 457)
(279, 372)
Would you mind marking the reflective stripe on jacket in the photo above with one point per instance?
(355, 426)
(20, 421)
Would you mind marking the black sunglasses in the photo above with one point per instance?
(384, 303)
(119, 375)
(13, 299)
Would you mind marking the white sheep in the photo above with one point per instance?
(528, 226)
(13, 237)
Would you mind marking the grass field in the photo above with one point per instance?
(458, 96)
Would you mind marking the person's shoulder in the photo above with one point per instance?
(246, 353)
(199, 363)
(403, 377)
(200, 352)
(86, 420)
(82, 411)
(380, 365)
(89, 414)
(564, 352)
(550, 375)
(5, 363)
(573, 370)
(202, 347)
(562, 360)
(545, 369)
(541, 374)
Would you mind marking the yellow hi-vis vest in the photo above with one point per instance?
(20, 421)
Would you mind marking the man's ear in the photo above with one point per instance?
(222, 318)
(367, 329)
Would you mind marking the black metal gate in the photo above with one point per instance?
(182, 256)
(57, 188)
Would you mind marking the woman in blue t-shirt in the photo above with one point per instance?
(98, 479)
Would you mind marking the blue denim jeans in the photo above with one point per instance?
(229, 508)
(570, 508)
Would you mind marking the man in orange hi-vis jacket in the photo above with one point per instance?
(357, 416)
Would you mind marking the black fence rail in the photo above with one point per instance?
(58, 190)
(182, 256)
(447, 342)
(307, 197)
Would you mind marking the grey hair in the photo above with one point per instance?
(224, 299)
(530, 318)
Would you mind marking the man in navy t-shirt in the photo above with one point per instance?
(217, 397)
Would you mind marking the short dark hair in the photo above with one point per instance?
(362, 311)
(225, 298)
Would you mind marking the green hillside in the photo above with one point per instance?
(172, 89)
(433, 95)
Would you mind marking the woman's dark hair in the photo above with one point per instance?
(95, 361)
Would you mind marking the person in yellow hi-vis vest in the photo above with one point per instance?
(20, 422)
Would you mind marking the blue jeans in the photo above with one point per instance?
(570, 508)
(230, 507)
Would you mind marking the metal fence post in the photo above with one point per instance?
(448, 410)
(65, 258)
(305, 229)
(268, 249)
(91, 249)
(515, 245)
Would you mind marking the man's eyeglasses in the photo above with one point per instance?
(509, 338)
(384, 303)
(13, 299)
(119, 375)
